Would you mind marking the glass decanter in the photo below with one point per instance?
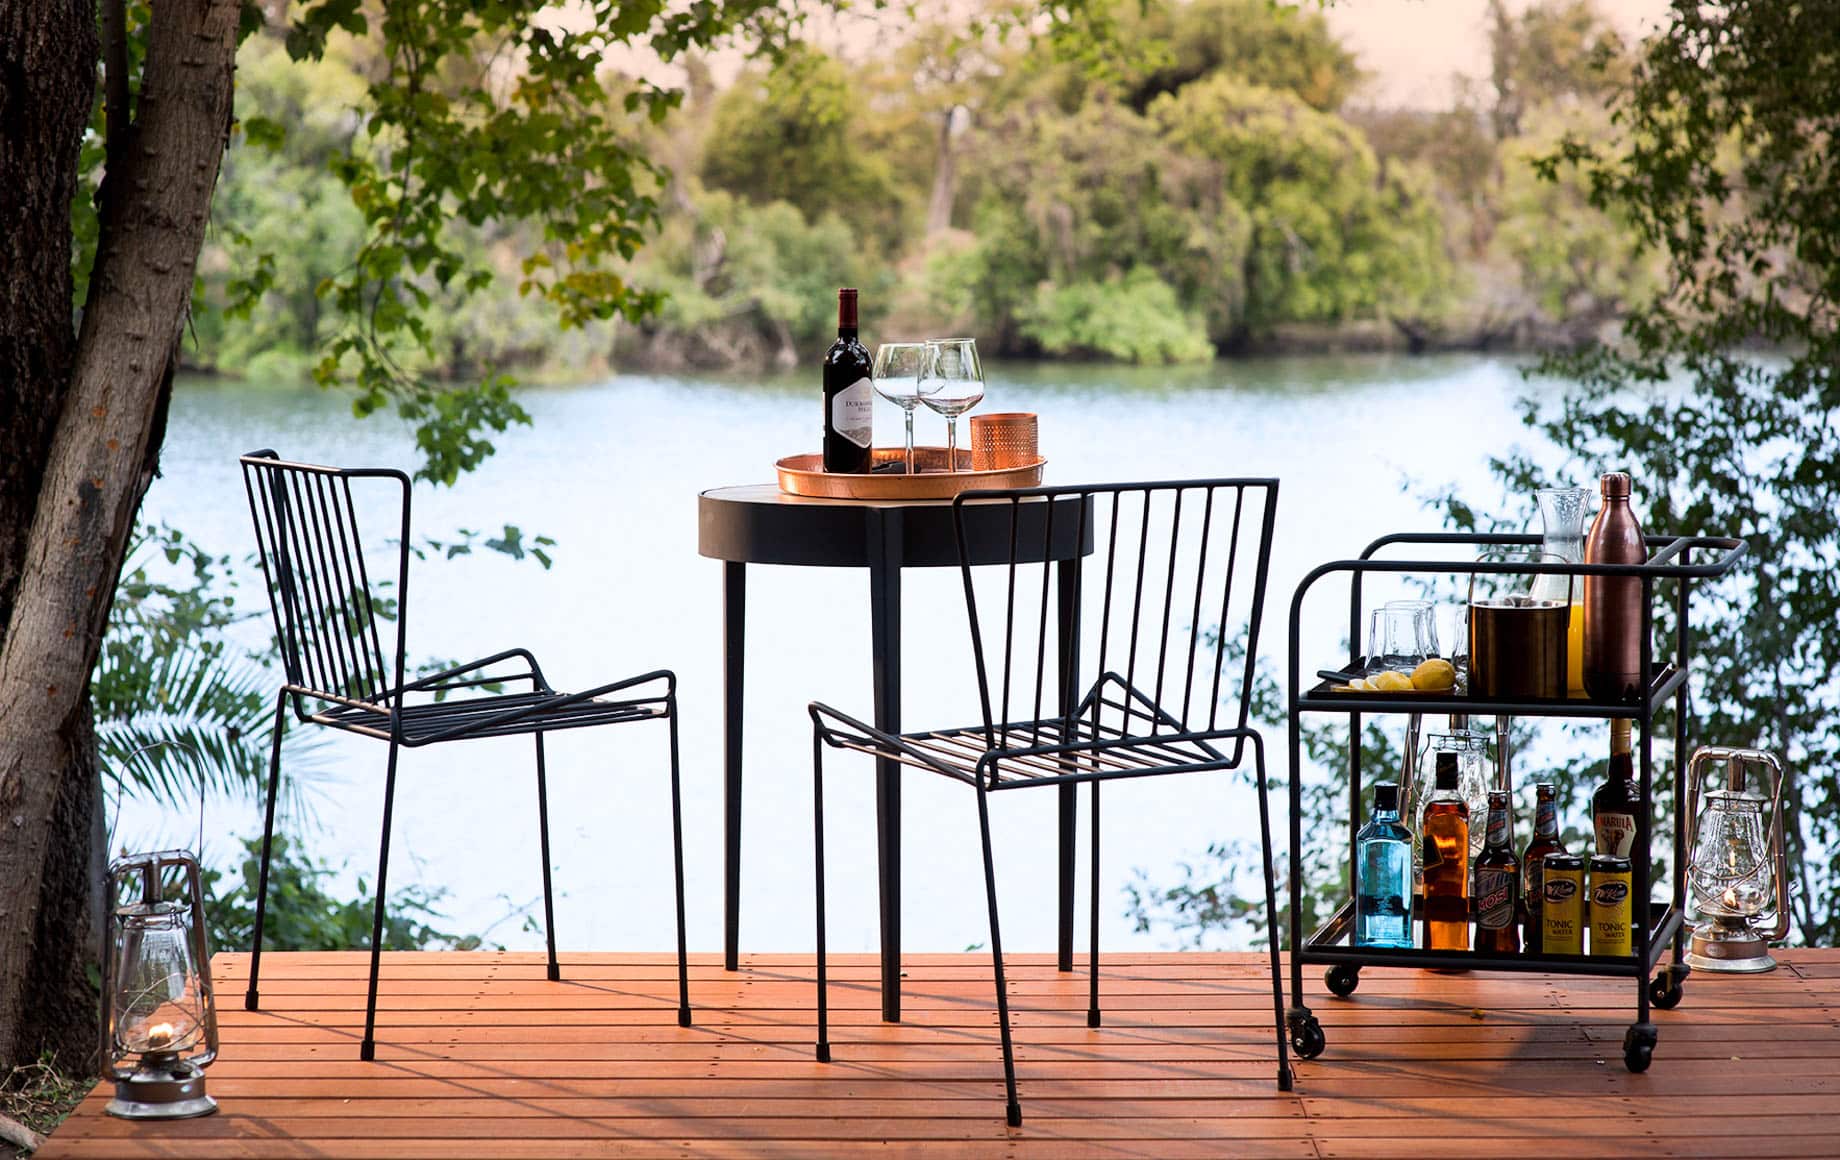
(1474, 777)
(1563, 511)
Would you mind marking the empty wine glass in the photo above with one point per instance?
(903, 376)
(960, 386)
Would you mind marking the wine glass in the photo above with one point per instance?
(959, 379)
(903, 376)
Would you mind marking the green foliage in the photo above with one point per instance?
(303, 914)
(1576, 260)
(1273, 45)
(793, 135)
(1331, 237)
(1559, 52)
(729, 265)
(1136, 318)
(1723, 164)
(178, 704)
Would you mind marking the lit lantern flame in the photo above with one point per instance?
(160, 1035)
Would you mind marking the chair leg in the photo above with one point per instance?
(677, 853)
(1014, 1109)
(549, 904)
(817, 830)
(1271, 918)
(1092, 1006)
(367, 1050)
(251, 999)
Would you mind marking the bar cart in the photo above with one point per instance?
(1654, 932)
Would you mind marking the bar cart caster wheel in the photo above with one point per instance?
(1307, 1037)
(1639, 1046)
(1342, 980)
(1664, 992)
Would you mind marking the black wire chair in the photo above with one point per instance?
(326, 617)
(1148, 699)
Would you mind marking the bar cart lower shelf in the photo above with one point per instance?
(1328, 946)
(1657, 966)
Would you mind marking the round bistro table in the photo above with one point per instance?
(759, 524)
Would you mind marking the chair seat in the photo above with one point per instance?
(471, 716)
(1081, 751)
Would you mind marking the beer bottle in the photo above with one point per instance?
(1497, 883)
(1616, 803)
(1545, 841)
(1445, 841)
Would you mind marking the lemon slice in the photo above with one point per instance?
(1390, 682)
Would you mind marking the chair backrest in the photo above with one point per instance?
(319, 588)
(1162, 617)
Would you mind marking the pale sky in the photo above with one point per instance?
(1413, 47)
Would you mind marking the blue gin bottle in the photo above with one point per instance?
(1383, 875)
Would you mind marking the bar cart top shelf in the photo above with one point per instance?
(1670, 558)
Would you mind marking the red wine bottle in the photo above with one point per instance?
(849, 395)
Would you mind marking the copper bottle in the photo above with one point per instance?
(1613, 604)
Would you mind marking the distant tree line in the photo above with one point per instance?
(1208, 185)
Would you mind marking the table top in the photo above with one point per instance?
(760, 524)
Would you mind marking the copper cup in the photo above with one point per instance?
(1003, 441)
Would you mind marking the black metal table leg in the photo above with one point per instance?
(734, 669)
(885, 650)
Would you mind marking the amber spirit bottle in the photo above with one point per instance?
(1445, 842)
(1498, 881)
(1615, 804)
(1545, 841)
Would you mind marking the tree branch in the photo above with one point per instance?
(115, 81)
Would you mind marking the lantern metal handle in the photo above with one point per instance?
(1738, 763)
(148, 869)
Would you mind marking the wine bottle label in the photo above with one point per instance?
(852, 412)
(1494, 898)
(1616, 834)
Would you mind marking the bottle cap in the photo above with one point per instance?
(1498, 799)
(1544, 789)
(1386, 796)
(1447, 771)
(1616, 485)
(846, 308)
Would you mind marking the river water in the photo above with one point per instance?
(611, 470)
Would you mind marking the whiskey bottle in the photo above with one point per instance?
(1445, 841)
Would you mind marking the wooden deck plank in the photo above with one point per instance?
(479, 1054)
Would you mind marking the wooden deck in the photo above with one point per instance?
(478, 1055)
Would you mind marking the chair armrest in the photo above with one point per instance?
(508, 716)
(869, 736)
(436, 682)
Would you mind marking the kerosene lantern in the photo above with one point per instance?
(1737, 874)
(159, 1024)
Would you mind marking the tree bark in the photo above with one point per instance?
(47, 79)
(98, 465)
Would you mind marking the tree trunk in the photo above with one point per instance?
(96, 471)
(47, 79)
(945, 176)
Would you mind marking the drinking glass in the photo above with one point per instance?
(903, 375)
(1403, 634)
(960, 379)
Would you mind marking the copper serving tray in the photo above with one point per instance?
(805, 475)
